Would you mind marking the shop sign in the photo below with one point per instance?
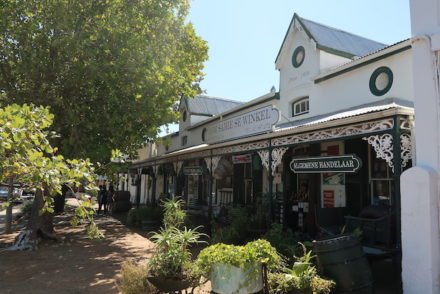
(193, 170)
(329, 164)
(254, 122)
(244, 158)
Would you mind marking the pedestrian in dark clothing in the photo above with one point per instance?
(104, 198)
(110, 199)
(100, 199)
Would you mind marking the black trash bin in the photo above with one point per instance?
(343, 260)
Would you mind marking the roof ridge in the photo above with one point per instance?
(217, 98)
(340, 30)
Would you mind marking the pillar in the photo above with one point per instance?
(420, 184)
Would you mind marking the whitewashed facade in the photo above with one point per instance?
(339, 94)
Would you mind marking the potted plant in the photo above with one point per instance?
(301, 278)
(237, 269)
(170, 267)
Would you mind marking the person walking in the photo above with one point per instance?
(110, 199)
(104, 199)
(100, 199)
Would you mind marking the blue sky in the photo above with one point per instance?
(244, 36)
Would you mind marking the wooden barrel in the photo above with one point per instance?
(121, 206)
(122, 196)
(342, 259)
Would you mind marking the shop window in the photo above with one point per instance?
(381, 180)
(300, 106)
(184, 140)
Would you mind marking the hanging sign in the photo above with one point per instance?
(244, 158)
(328, 164)
(193, 170)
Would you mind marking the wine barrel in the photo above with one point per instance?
(342, 259)
(121, 206)
(122, 196)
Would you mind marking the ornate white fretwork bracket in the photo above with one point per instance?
(383, 146)
(155, 169)
(208, 162)
(212, 161)
(264, 155)
(406, 153)
(178, 166)
(277, 156)
(215, 161)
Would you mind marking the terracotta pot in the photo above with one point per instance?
(168, 284)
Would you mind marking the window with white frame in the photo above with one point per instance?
(300, 106)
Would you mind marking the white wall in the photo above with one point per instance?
(296, 82)
(352, 88)
(329, 61)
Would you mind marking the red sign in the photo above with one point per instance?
(329, 198)
(244, 158)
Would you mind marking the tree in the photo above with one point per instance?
(26, 156)
(111, 71)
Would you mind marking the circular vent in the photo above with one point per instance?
(381, 81)
(298, 56)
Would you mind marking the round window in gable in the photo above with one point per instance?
(184, 115)
(204, 135)
(298, 56)
(381, 81)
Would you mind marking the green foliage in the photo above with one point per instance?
(173, 257)
(236, 231)
(134, 278)
(26, 156)
(283, 241)
(301, 276)
(27, 208)
(101, 66)
(93, 232)
(259, 251)
(174, 214)
(137, 215)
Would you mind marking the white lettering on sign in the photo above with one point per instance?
(250, 123)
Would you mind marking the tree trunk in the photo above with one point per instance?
(8, 225)
(40, 224)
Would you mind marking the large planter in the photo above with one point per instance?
(166, 285)
(342, 259)
(228, 279)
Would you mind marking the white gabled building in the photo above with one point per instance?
(340, 126)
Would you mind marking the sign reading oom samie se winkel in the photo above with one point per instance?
(253, 122)
(326, 164)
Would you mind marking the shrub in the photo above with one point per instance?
(134, 278)
(301, 276)
(172, 257)
(236, 231)
(93, 232)
(284, 241)
(257, 251)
